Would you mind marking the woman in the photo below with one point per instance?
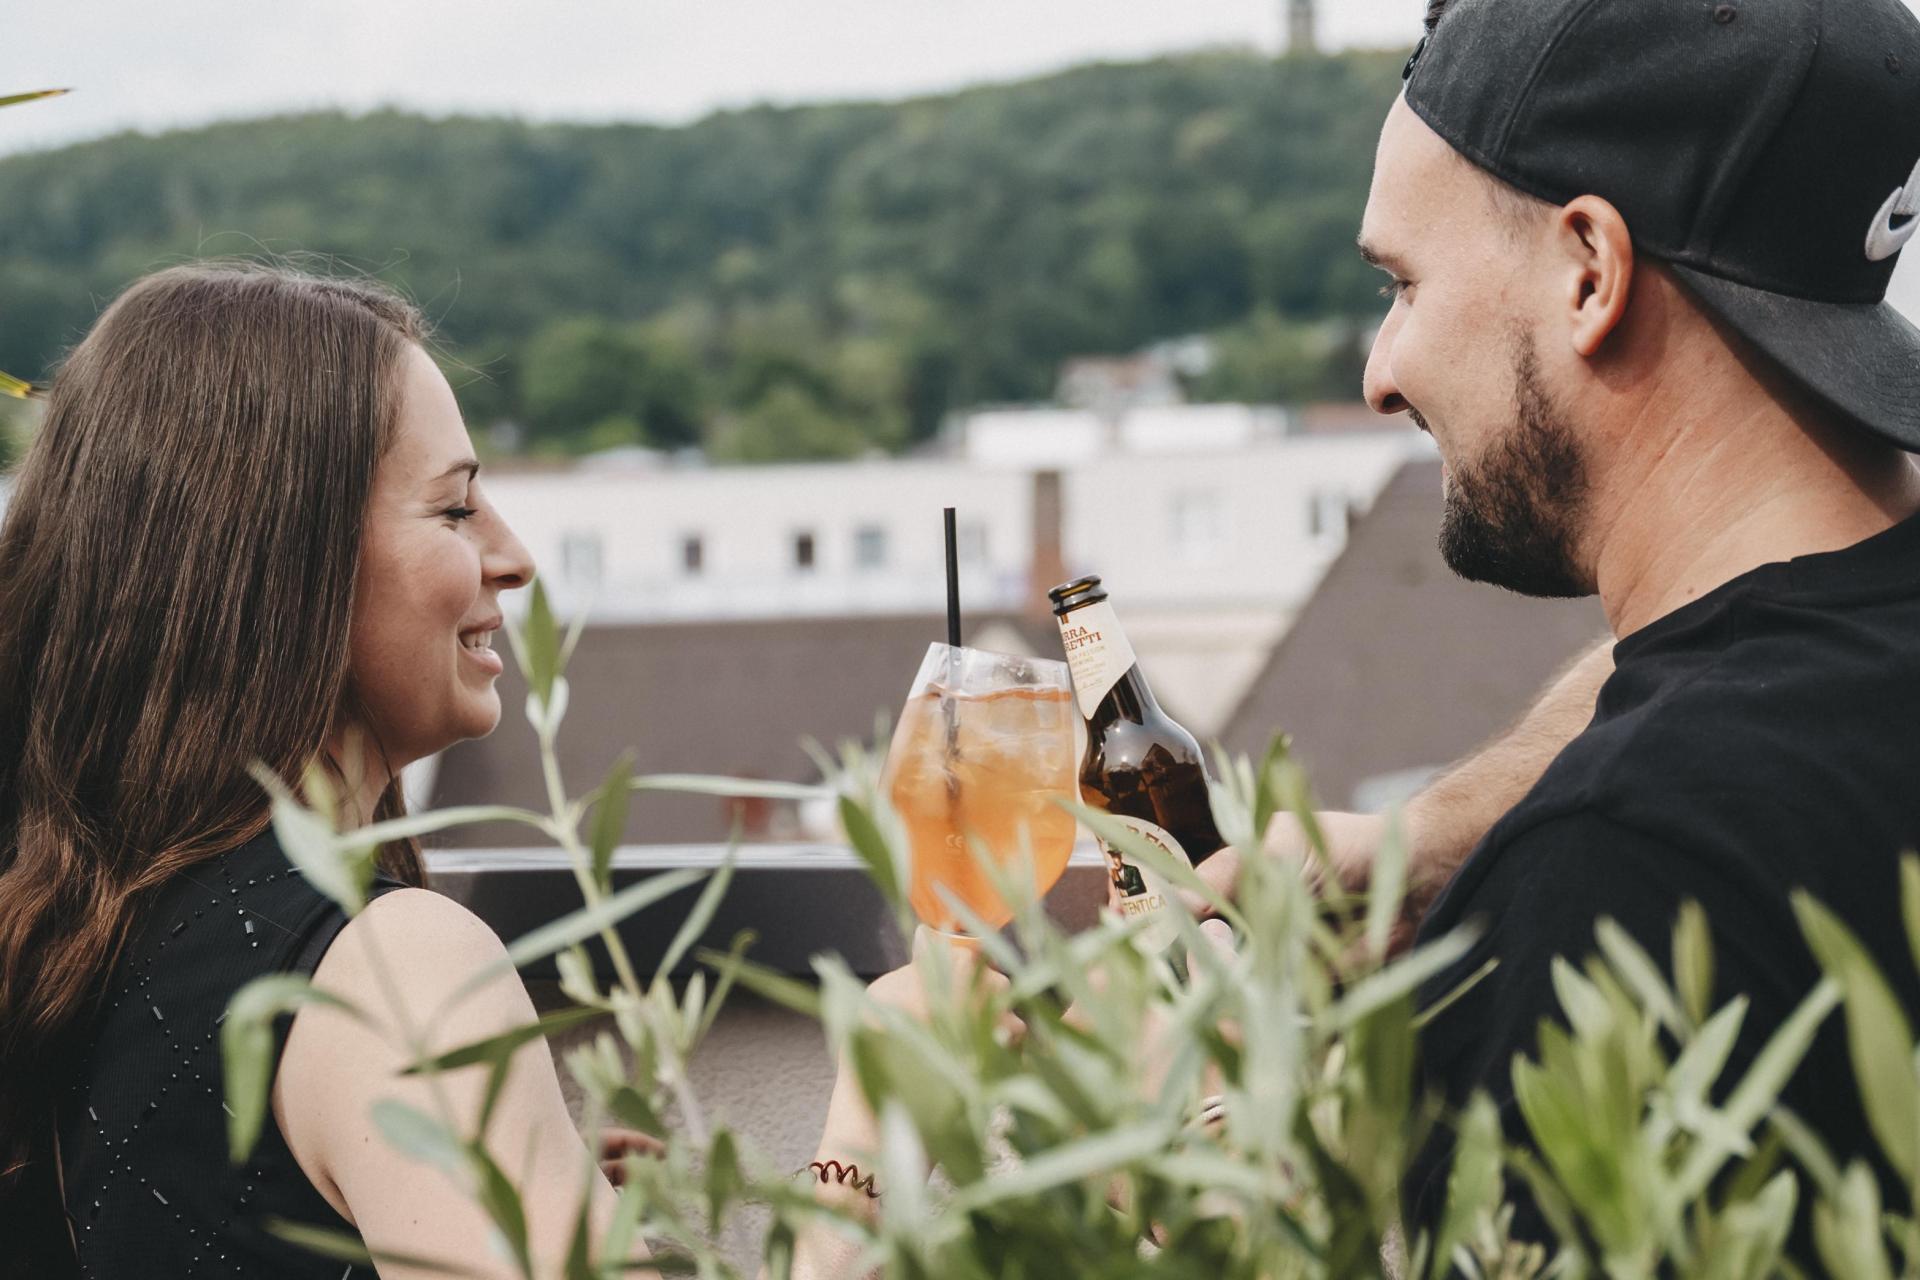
(250, 529)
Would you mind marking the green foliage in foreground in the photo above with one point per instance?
(838, 276)
(1079, 1143)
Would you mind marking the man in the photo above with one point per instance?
(1638, 252)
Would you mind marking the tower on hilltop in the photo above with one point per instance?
(1300, 27)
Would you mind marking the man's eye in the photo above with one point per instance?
(1395, 288)
(459, 513)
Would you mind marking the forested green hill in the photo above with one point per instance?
(800, 281)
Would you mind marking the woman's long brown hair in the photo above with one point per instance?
(177, 570)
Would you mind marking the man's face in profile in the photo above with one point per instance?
(1461, 352)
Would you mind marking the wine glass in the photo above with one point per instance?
(981, 759)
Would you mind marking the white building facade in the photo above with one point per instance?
(1209, 524)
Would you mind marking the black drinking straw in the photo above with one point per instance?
(953, 583)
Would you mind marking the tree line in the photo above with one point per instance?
(774, 282)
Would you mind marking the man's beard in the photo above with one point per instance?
(1512, 516)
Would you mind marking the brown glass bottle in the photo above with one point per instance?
(1140, 766)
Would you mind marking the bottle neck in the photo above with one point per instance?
(1103, 664)
(1133, 697)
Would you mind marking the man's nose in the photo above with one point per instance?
(1378, 386)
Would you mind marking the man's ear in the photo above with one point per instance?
(1597, 251)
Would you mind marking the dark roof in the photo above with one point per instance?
(734, 698)
(1396, 664)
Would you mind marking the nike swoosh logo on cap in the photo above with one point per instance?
(1896, 222)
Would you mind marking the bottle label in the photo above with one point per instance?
(1098, 654)
(1141, 892)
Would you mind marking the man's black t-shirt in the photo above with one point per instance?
(1762, 738)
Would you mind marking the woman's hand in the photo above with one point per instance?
(617, 1144)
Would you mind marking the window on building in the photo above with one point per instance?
(1198, 527)
(693, 555)
(803, 551)
(971, 538)
(580, 558)
(869, 547)
(1328, 514)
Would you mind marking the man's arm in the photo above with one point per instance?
(1446, 820)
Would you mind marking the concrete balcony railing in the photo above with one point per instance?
(798, 899)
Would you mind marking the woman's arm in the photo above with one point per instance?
(399, 961)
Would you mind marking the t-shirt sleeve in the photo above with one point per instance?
(1541, 896)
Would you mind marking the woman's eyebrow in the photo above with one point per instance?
(469, 465)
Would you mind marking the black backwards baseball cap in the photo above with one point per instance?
(1768, 151)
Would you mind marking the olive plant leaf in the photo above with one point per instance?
(610, 818)
(1879, 1037)
(501, 1201)
(14, 99)
(1693, 961)
(18, 388)
(1386, 888)
(578, 926)
(1474, 1187)
(421, 824)
(883, 865)
(704, 909)
(1847, 1228)
(246, 1049)
(1637, 970)
(1756, 1094)
(341, 873)
(731, 788)
(344, 1246)
(1401, 978)
(1910, 902)
(502, 1046)
(419, 1136)
(763, 982)
(536, 644)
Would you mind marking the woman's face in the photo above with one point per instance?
(434, 560)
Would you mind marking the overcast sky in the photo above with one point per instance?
(154, 64)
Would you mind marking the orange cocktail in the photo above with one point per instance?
(981, 760)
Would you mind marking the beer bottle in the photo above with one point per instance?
(1140, 766)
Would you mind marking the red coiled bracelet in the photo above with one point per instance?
(847, 1175)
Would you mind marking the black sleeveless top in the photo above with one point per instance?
(143, 1127)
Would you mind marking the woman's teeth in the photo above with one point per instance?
(477, 640)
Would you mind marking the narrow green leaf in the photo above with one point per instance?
(344, 1246)
(1846, 1229)
(1474, 1186)
(610, 818)
(695, 925)
(1759, 1089)
(18, 388)
(13, 99)
(537, 644)
(1705, 1057)
(502, 1203)
(580, 925)
(1910, 902)
(420, 824)
(504, 1045)
(309, 844)
(1403, 977)
(1879, 1037)
(863, 833)
(734, 788)
(1693, 961)
(1808, 1148)
(417, 1135)
(1386, 889)
(1099, 1155)
(762, 981)
(1637, 970)
(246, 1049)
